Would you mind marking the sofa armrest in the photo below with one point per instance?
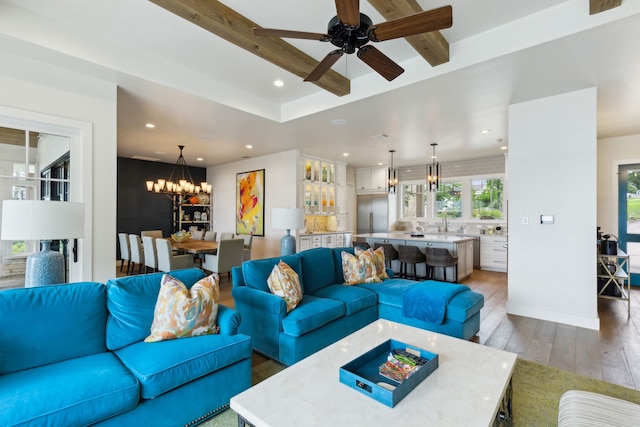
(228, 320)
(260, 300)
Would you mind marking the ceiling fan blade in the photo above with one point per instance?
(380, 62)
(423, 22)
(270, 32)
(349, 12)
(324, 66)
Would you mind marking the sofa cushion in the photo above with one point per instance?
(359, 268)
(131, 301)
(378, 259)
(312, 313)
(256, 271)
(74, 392)
(461, 307)
(317, 269)
(182, 312)
(285, 283)
(354, 298)
(69, 318)
(165, 365)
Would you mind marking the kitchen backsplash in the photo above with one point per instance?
(458, 227)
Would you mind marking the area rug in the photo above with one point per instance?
(536, 393)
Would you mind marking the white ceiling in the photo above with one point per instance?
(215, 98)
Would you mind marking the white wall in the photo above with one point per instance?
(552, 170)
(613, 152)
(281, 190)
(85, 106)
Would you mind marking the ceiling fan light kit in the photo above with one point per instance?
(351, 31)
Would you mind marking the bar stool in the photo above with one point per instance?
(441, 257)
(362, 245)
(390, 253)
(410, 255)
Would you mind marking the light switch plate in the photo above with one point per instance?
(546, 219)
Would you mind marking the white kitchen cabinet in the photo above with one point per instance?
(304, 243)
(493, 253)
(323, 186)
(371, 180)
(328, 241)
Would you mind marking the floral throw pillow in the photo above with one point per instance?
(182, 312)
(359, 269)
(378, 258)
(285, 283)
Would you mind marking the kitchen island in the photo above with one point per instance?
(461, 246)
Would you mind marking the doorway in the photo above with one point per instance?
(629, 216)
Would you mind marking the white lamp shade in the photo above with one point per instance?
(287, 218)
(41, 220)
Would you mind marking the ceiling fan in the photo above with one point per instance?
(351, 30)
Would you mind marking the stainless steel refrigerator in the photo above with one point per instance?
(373, 215)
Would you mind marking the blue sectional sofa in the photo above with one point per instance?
(73, 355)
(330, 310)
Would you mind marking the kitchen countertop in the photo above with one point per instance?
(435, 237)
(320, 233)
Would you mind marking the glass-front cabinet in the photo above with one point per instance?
(319, 187)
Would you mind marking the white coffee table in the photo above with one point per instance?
(469, 387)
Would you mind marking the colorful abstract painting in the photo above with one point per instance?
(250, 203)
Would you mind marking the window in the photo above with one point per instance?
(414, 201)
(486, 198)
(449, 200)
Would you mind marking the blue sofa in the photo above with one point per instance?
(73, 355)
(330, 310)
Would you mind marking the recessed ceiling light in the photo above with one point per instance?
(345, 154)
(504, 147)
(338, 122)
(380, 163)
(199, 159)
(150, 125)
(485, 131)
(379, 136)
(249, 146)
(278, 83)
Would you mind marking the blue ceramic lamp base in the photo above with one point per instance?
(45, 267)
(288, 244)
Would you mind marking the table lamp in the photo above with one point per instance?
(287, 219)
(42, 220)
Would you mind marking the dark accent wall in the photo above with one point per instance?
(137, 208)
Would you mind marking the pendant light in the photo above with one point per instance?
(433, 172)
(179, 182)
(392, 176)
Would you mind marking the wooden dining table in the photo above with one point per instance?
(195, 246)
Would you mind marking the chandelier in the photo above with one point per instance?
(392, 176)
(180, 181)
(433, 172)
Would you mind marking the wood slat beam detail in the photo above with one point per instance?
(431, 46)
(224, 22)
(16, 137)
(597, 6)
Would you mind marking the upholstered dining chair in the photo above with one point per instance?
(225, 236)
(167, 261)
(210, 236)
(197, 235)
(125, 252)
(137, 253)
(248, 239)
(229, 255)
(150, 253)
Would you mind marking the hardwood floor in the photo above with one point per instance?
(611, 354)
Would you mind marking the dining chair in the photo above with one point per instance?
(150, 253)
(152, 233)
(125, 252)
(225, 236)
(197, 235)
(210, 236)
(167, 261)
(137, 253)
(229, 255)
(248, 239)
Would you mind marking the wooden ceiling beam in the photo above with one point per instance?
(224, 22)
(431, 46)
(597, 6)
(16, 137)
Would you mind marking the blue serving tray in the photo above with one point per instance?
(362, 373)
